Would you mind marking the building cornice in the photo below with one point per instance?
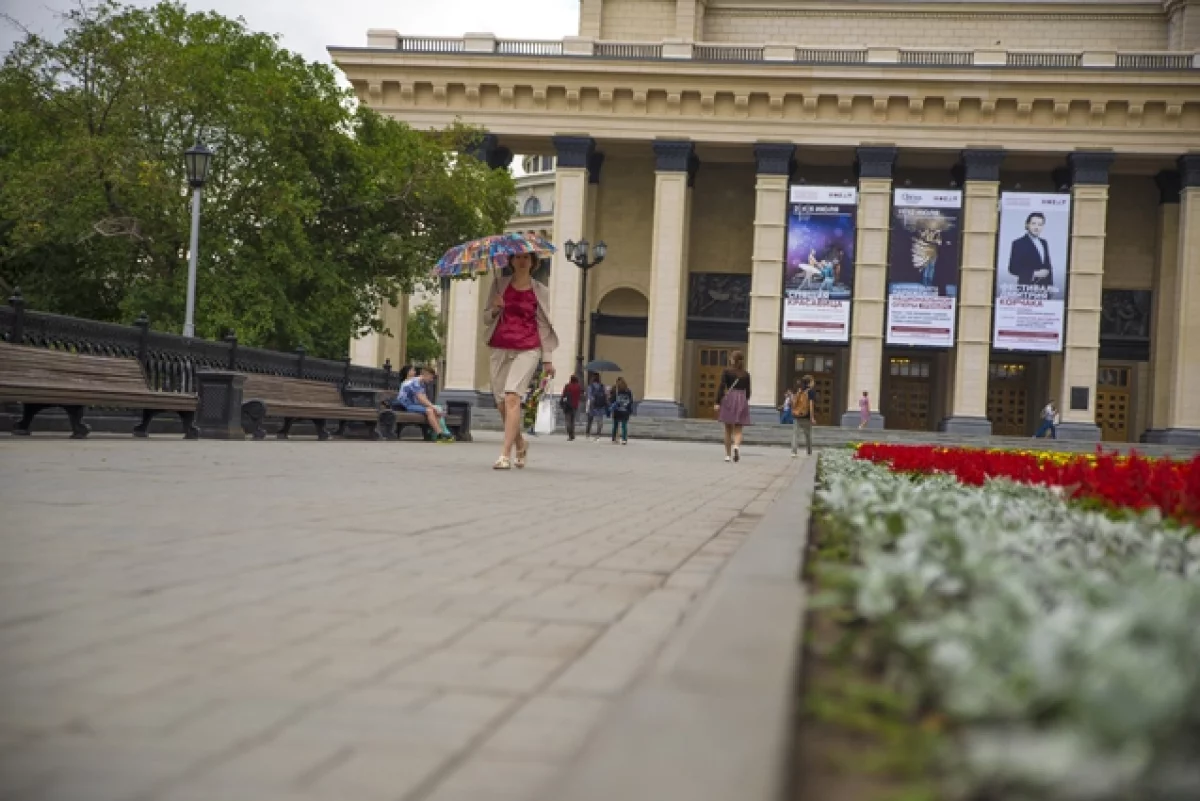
(1136, 111)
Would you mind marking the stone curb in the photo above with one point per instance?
(712, 719)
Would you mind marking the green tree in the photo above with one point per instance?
(316, 209)
(426, 334)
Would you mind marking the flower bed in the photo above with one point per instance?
(1132, 482)
(1053, 648)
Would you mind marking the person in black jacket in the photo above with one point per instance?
(1029, 259)
(622, 409)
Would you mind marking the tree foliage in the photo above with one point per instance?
(316, 209)
(426, 334)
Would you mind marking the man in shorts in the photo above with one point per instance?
(412, 398)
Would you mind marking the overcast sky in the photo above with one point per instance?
(308, 26)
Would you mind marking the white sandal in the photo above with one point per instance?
(502, 464)
(522, 454)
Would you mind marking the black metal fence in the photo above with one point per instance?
(170, 361)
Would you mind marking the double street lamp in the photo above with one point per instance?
(197, 158)
(578, 254)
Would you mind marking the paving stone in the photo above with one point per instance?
(320, 632)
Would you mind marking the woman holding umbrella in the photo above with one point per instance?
(519, 333)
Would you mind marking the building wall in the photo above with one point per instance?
(722, 219)
(1130, 247)
(925, 25)
(637, 20)
(624, 221)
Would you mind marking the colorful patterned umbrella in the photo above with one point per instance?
(475, 258)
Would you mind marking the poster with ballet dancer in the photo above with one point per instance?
(923, 262)
(819, 265)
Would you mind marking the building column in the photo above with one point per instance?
(869, 304)
(766, 284)
(1085, 283)
(570, 224)
(973, 346)
(1180, 376)
(464, 309)
(674, 163)
(1163, 323)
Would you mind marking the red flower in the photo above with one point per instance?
(1130, 482)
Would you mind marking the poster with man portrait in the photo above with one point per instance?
(1031, 271)
(923, 267)
(819, 266)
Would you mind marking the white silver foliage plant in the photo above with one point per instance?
(1065, 644)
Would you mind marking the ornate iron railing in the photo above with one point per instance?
(170, 361)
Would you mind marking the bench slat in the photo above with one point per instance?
(275, 389)
(132, 400)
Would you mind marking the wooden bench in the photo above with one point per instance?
(294, 399)
(39, 379)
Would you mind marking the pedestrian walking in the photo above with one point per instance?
(803, 408)
(864, 410)
(733, 404)
(622, 409)
(569, 402)
(519, 333)
(597, 407)
(1049, 422)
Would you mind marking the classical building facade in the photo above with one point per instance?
(682, 128)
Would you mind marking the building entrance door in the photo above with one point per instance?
(1113, 403)
(823, 368)
(1008, 399)
(712, 362)
(909, 393)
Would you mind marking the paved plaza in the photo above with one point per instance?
(262, 621)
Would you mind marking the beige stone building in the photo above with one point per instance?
(679, 127)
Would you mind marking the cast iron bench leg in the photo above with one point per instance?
(189, 425)
(322, 432)
(143, 428)
(28, 412)
(341, 429)
(79, 430)
(287, 428)
(253, 414)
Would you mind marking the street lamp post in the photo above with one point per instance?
(197, 158)
(577, 253)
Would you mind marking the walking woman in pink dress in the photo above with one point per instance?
(517, 329)
(733, 404)
(864, 411)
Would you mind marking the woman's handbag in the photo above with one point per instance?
(546, 415)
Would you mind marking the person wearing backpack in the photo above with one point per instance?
(597, 407)
(803, 403)
(622, 409)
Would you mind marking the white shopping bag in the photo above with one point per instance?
(545, 422)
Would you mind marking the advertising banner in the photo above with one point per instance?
(1031, 271)
(818, 279)
(923, 267)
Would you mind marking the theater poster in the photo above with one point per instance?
(1031, 271)
(923, 267)
(819, 268)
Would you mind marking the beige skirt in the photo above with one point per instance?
(512, 370)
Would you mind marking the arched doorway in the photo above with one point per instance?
(619, 335)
